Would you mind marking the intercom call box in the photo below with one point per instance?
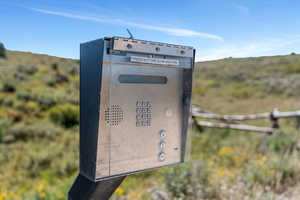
(135, 101)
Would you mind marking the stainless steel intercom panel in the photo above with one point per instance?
(135, 101)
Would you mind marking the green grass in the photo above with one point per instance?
(39, 98)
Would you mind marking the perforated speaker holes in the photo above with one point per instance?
(113, 115)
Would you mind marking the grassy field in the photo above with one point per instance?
(39, 118)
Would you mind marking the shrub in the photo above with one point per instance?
(210, 141)
(274, 173)
(2, 51)
(189, 182)
(46, 98)
(73, 70)
(212, 84)
(25, 95)
(243, 92)
(58, 78)
(292, 68)
(297, 123)
(30, 69)
(49, 97)
(279, 143)
(25, 132)
(15, 115)
(20, 77)
(29, 107)
(54, 66)
(61, 78)
(50, 81)
(200, 91)
(9, 86)
(66, 115)
(9, 101)
(201, 87)
(4, 124)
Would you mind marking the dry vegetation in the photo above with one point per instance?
(39, 132)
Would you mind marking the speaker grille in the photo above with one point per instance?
(143, 113)
(113, 115)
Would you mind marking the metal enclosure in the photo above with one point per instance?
(135, 101)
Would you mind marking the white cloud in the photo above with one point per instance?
(257, 48)
(167, 30)
(242, 9)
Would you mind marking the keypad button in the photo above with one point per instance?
(163, 133)
(162, 156)
(162, 145)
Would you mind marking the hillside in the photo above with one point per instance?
(251, 82)
(39, 118)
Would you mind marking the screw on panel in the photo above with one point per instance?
(129, 46)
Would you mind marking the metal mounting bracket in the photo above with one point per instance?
(85, 189)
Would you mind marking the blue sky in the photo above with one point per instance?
(217, 29)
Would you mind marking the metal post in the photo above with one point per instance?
(85, 189)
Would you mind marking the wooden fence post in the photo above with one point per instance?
(274, 120)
